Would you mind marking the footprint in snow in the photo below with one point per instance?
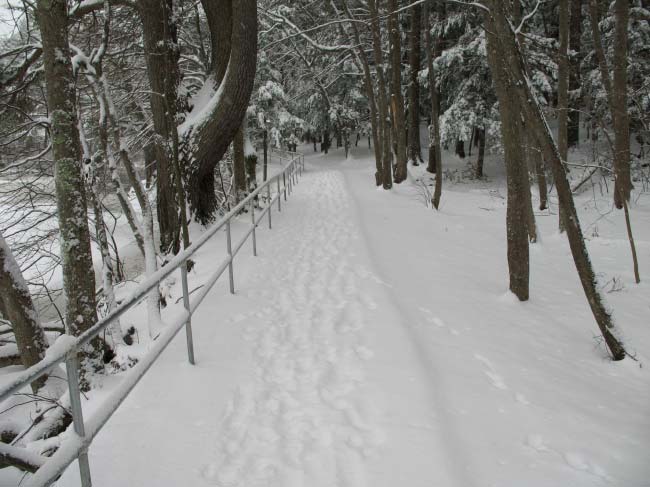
(520, 398)
(578, 462)
(536, 442)
(495, 379)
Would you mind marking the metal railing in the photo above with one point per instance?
(75, 444)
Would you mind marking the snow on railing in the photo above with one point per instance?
(74, 445)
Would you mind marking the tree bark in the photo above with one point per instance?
(563, 90)
(516, 174)
(414, 150)
(526, 144)
(481, 153)
(382, 98)
(563, 79)
(623, 182)
(361, 58)
(575, 99)
(540, 173)
(18, 309)
(500, 34)
(435, 154)
(76, 259)
(397, 100)
(207, 137)
(162, 55)
(239, 165)
(616, 94)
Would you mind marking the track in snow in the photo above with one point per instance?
(303, 420)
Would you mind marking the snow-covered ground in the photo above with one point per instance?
(373, 343)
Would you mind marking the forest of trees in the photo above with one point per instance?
(154, 104)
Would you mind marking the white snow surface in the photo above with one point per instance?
(373, 343)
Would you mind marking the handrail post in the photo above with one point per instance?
(186, 305)
(279, 195)
(229, 249)
(253, 224)
(72, 371)
(290, 179)
(270, 206)
(284, 180)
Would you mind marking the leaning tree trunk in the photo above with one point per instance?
(516, 174)
(18, 308)
(212, 128)
(500, 34)
(162, 55)
(76, 258)
(414, 150)
(397, 100)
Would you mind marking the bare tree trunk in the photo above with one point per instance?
(630, 237)
(500, 34)
(239, 165)
(616, 94)
(563, 89)
(575, 31)
(101, 237)
(526, 145)
(623, 182)
(481, 153)
(414, 150)
(435, 152)
(161, 55)
(516, 174)
(540, 173)
(362, 59)
(265, 148)
(76, 258)
(384, 127)
(17, 307)
(435, 155)
(397, 100)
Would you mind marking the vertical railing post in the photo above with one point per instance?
(284, 180)
(72, 371)
(279, 195)
(229, 249)
(186, 305)
(270, 206)
(290, 177)
(253, 224)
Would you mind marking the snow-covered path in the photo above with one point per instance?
(333, 367)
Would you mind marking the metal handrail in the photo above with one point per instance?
(75, 446)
